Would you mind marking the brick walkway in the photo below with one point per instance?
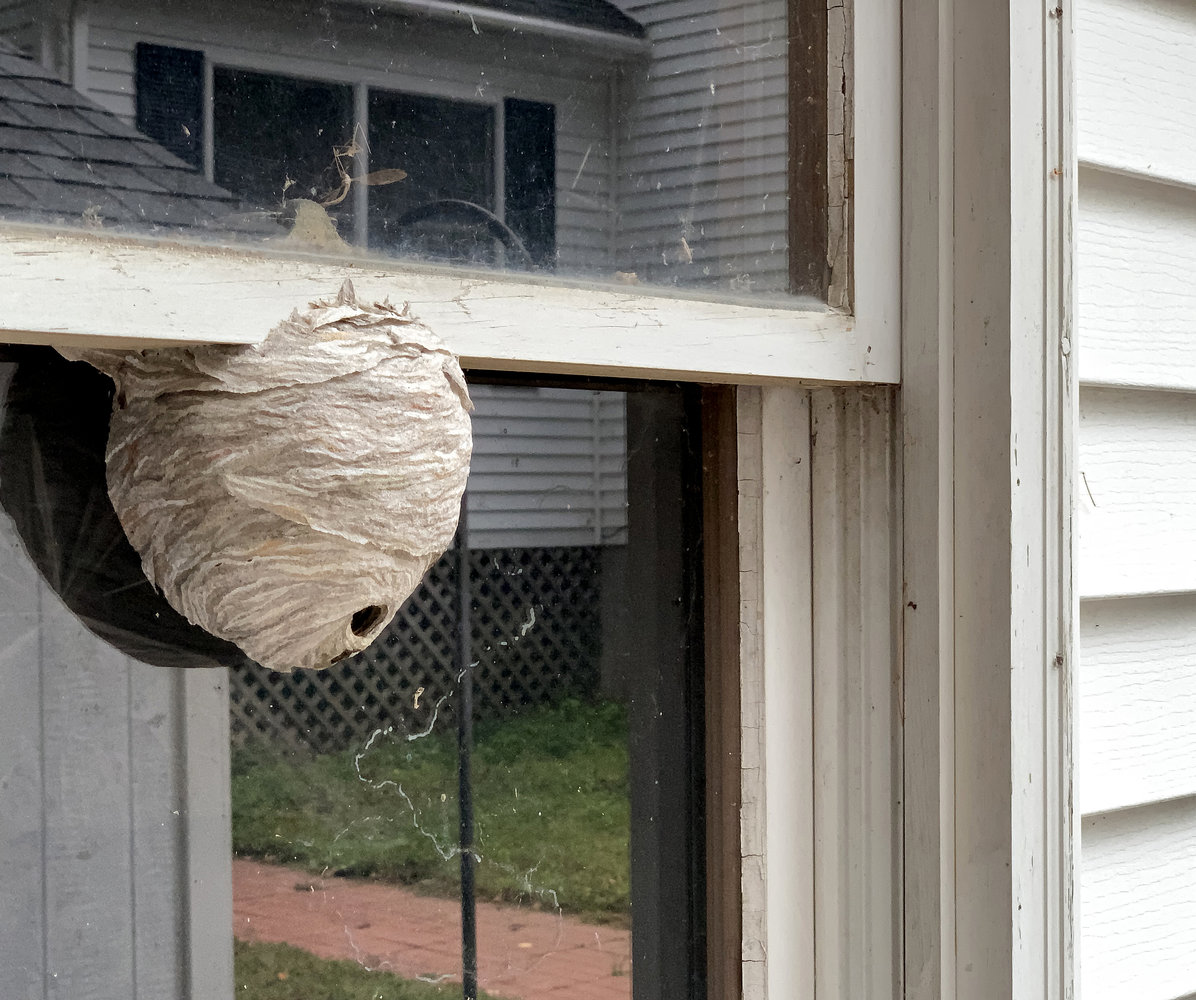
(523, 954)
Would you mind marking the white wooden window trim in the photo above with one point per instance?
(856, 715)
(820, 709)
(989, 415)
(62, 287)
(776, 702)
(69, 288)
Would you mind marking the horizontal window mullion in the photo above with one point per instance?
(70, 288)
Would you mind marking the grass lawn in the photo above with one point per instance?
(550, 801)
(280, 972)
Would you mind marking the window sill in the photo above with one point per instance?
(70, 288)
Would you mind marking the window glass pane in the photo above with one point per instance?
(582, 681)
(529, 191)
(656, 143)
(444, 206)
(585, 687)
(277, 138)
(170, 104)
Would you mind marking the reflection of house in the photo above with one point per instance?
(653, 158)
(327, 73)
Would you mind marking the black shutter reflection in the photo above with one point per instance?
(170, 99)
(530, 176)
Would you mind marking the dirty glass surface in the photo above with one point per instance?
(641, 142)
(539, 783)
(520, 752)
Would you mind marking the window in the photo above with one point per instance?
(277, 139)
(650, 241)
(272, 134)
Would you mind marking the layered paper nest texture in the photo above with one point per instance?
(289, 497)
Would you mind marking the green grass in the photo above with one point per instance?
(550, 800)
(280, 972)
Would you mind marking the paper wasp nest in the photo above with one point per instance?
(288, 497)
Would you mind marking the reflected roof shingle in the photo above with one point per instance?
(63, 158)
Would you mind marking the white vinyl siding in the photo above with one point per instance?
(1138, 738)
(548, 469)
(1136, 257)
(1138, 886)
(397, 56)
(704, 145)
(1138, 492)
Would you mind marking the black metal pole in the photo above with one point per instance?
(469, 924)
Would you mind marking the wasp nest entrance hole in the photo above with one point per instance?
(364, 621)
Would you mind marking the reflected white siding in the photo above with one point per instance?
(1137, 497)
(703, 154)
(549, 468)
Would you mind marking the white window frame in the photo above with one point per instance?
(72, 288)
(988, 416)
